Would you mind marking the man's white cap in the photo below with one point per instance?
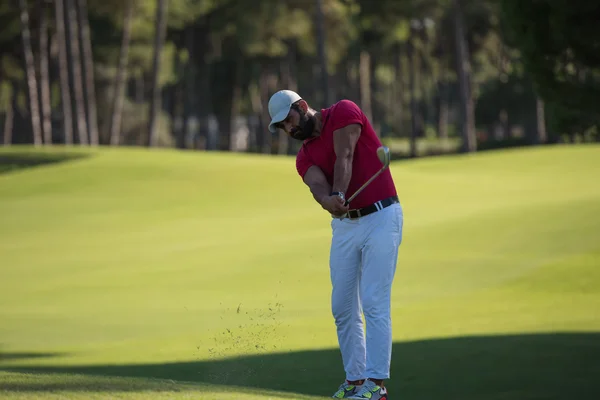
(279, 106)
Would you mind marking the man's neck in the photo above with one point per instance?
(318, 124)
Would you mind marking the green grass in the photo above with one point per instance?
(128, 273)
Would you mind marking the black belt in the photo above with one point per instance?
(379, 205)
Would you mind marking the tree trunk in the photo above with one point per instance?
(365, 84)
(121, 77)
(205, 108)
(8, 124)
(463, 70)
(504, 123)
(443, 117)
(63, 68)
(420, 106)
(202, 90)
(267, 81)
(377, 113)
(352, 73)
(254, 95)
(221, 95)
(32, 83)
(176, 100)
(542, 136)
(44, 75)
(9, 117)
(443, 88)
(427, 82)
(289, 82)
(75, 62)
(223, 82)
(444, 109)
(322, 55)
(413, 100)
(180, 102)
(226, 96)
(342, 79)
(283, 141)
(398, 90)
(423, 73)
(169, 94)
(88, 70)
(159, 38)
(236, 98)
(188, 89)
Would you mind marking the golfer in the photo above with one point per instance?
(338, 155)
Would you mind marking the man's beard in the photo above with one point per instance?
(305, 127)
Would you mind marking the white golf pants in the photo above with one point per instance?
(362, 263)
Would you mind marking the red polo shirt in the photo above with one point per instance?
(319, 151)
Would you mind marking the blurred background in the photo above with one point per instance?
(434, 76)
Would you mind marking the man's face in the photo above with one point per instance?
(298, 124)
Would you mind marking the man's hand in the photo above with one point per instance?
(335, 205)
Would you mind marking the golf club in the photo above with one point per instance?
(383, 153)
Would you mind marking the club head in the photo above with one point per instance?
(383, 153)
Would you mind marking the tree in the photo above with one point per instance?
(542, 136)
(44, 75)
(88, 70)
(32, 83)
(321, 46)
(159, 38)
(463, 69)
(76, 71)
(414, 112)
(121, 76)
(558, 45)
(220, 61)
(9, 117)
(63, 68)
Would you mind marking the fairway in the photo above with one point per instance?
(137, 274)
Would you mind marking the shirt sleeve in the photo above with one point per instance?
(345, 113)
(303, 162)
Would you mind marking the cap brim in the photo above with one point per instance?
(278, 118)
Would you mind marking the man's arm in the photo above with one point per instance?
(321, 191)
(344, 142)
(316, 181)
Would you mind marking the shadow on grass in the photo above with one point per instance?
(15, 161)
(519, 367)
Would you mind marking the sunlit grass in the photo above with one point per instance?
(161, 264)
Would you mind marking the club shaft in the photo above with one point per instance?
(360, 189)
